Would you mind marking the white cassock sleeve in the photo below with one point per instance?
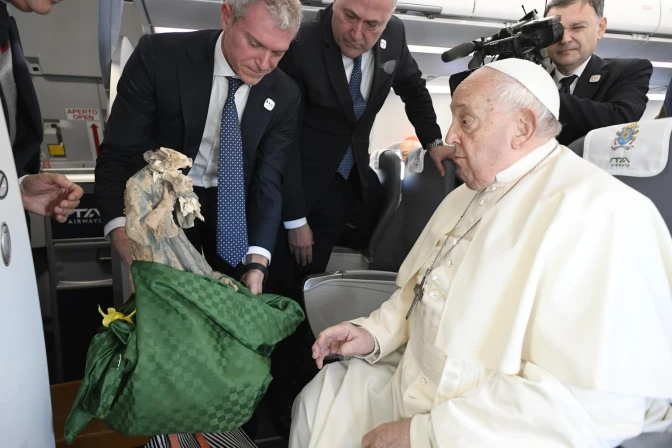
(388, 325)
(534, 410)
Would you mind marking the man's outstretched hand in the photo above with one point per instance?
(49, 194)
(344, 339)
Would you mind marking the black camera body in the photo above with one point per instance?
(527, 39)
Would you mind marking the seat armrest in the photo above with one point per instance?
(345, 295)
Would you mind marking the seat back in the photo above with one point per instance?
(341, 296)
(388, 170)
(655, 187)
(368, 219)
(421, 194)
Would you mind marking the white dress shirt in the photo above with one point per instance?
(204, 169)
(365, 88)
(557, 76)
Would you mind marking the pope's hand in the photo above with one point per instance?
(344, 339)
(389, 435)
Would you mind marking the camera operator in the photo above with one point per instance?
(593, 93)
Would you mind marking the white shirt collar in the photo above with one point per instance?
(525, 164)
(222, 68)
(365, 56)
(557, 76)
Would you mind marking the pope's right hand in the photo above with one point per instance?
(343, 339)
(122, 244)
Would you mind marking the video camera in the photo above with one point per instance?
(527, 39)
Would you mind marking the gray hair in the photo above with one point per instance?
(512, 95)
(286, 13)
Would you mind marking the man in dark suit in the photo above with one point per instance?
(45, 194)
(345, 63)
(593, 93)
(214, 96)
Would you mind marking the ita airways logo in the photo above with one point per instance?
(625, 138)
(85, 216)
(619, 162)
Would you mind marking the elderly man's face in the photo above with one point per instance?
(481, 130)
(357, 24)
(253, 44)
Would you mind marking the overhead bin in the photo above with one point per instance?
(665, 27)
(506, 10)
(634, 16)
(463, 8)
(188, 14)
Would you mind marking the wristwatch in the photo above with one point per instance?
(258, 266)
(436, 142)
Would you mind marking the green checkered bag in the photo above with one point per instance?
(196, 360)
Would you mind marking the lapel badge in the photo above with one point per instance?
(595, 78)
(269, 104)
(383, 44)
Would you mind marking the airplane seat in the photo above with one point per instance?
(389, 173)
(620, 151)
(387, 166)
(338, 296)
(421, 194)
(637, 154)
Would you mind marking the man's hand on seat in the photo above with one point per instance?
(49, 194)
(301, 244)
(122, 244)
(389, 435)
(344, 339)
(440, 153)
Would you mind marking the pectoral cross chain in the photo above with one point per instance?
(419, 288)
(418, 291)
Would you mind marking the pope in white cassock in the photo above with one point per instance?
(544, 311)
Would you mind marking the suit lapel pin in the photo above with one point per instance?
(383, 44)
(595, 78)
(269, 104)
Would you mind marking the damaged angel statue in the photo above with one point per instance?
(152, 195)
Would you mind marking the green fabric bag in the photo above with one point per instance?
(197, 359)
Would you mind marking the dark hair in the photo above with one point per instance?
(597, 5)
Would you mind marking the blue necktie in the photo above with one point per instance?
(231, 222)
(359, 103)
